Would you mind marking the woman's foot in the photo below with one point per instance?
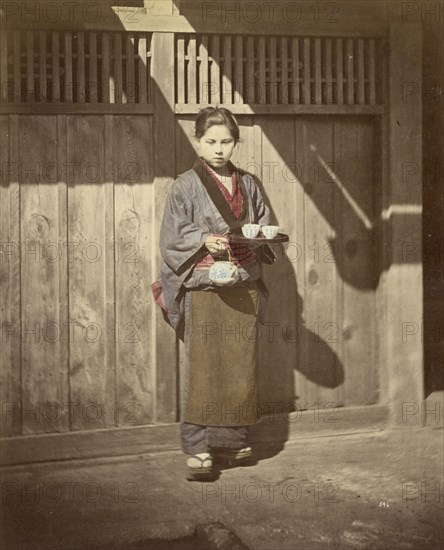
(234, 457)
(200, 467)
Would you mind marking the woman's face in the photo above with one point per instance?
(216, 146)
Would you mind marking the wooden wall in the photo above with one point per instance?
(77, 212)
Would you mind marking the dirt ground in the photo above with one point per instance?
(368, 491)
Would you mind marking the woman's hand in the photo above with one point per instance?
(216, 245)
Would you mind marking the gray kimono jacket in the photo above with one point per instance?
(190, 216)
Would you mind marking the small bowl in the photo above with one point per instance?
(251, 230)
(270, 231)
(223, 273)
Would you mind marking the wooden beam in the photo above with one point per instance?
(261, 109)
(76, 108)
(138, 440)
(141, 21)
(164, 339)
(403, 281)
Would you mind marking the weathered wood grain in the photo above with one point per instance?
(10, 298)
(192, 70)
(164, 342)
(135, 248)
(43, 383)
(43, 87)
(239, 69)
(81, 95)
(130, 69)
(320, 361)
(68, 88)
(278, 342)
(4, 66)
(91, 382)
(92, 72)
(215, 89)
(356, 166)
(204, 82)
(17, 86)
(30, 67)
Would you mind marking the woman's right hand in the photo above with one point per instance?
(216, 244)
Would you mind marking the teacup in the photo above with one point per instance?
(270, 231)
(223, 273)
(251, 230)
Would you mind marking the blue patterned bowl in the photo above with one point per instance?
(251, 230)
(223, 273)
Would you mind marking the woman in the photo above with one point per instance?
(204, 205)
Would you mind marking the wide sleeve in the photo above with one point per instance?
(182, 239)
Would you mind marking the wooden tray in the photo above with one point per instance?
(260, 239)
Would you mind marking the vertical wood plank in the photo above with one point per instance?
(106, 60)
(339, 72)
(371, 72)
(361, 73)
(112, 166)
(227, 78)
(164, 340)
(284, 71)
(251, 80)
(43, 379)
(4, 66)
(350, 73)
(296, 95)
(404, 279)
(118, 77)
(278, 344)
(130, 74)
(43, 92)
(81, 97)
(17, 67)
(321, 363)
(63, 285)
(30, 97)
(274, 85)
(93, 81)
(328, 72)
(55, 67)
(192, 70)
(238, 70)
(215, 70)
(307, 71)
(204, 82)
(181, 69)
(143, 92)
(68, 93)
(10, 302)
(356, 167)
(299, 257)
(134, 219)
(91, 377)
(318, 72)
(262, 52)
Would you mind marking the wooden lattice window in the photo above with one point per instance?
(75, 67)
(277, 70)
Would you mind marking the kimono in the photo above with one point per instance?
(220, 387)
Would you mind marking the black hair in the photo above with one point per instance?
(212, 116)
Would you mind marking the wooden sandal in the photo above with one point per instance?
(200, 467)
(234, 457)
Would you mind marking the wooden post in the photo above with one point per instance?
(402, 219)
(164, 123)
